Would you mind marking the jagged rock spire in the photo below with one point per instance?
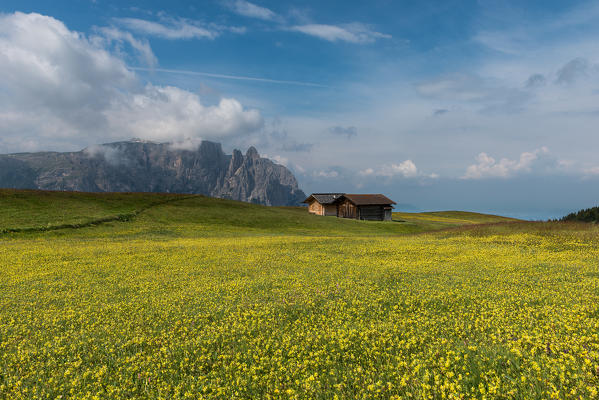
(142, 166)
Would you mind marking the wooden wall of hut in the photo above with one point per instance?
(346, 209)
(330, 209)
(315, 208)
(372, 213)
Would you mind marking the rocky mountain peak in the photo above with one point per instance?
(141, 166)
(252, 153)
(207, 147)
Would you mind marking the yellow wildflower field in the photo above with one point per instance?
(118, 312)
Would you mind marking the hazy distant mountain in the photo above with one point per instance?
(407, 208)
(140, 166)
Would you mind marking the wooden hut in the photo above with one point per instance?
(372, 207)
(322, 203)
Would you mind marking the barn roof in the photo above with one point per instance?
(368, 199)
(323, 198)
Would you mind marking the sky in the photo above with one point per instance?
(470, 105)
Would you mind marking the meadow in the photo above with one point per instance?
(172, 297)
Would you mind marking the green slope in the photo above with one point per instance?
(445, 219)
(35, 209)
(132, 214)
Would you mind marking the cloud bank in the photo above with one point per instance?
(405, 169)
(60, 89)
(539, 161)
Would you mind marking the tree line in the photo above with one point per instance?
(586, 215)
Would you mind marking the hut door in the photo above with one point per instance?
(347, 210)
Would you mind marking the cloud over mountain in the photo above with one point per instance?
(62, 89)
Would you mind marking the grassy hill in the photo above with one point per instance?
(150, 296)
(450, 218)
(36, 209)
(22, 210)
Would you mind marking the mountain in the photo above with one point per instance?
(141, 166)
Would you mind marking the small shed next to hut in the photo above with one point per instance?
(372, 207)
(323, 203)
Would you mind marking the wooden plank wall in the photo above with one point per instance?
(346, 210)
(372, 213)
(316, 208)
(330, 209)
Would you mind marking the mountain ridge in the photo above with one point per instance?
(144, 166)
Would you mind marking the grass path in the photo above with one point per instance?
(44, 210)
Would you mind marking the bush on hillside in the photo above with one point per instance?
(586, 215)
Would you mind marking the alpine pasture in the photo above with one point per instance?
(147, 296)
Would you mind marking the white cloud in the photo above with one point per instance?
(172, 114)
(326, 174)
(299, 168)
(367, 172)
(353, 33)
(488, 167)
(278, 159)
(406, 169)
(112, 155)
(142, 47)
(172, 29)
(251, 10)
(60, 89)
(592, 171)
(481, 91)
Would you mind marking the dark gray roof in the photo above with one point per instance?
(323, 198)
(368, 199)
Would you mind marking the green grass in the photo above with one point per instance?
(199, 298)
(31, 209)
(168, 214)
(449, 219)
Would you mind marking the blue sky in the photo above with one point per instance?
(479, 105)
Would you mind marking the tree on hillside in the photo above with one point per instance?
(586, 215)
